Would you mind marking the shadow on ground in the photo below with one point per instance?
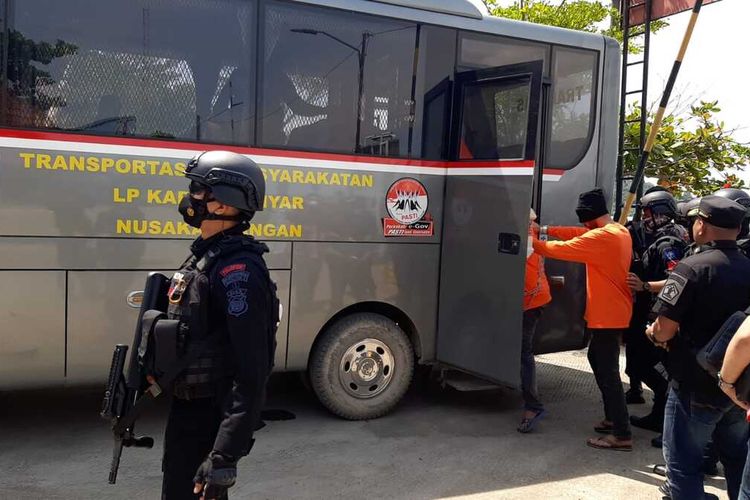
(438, 443)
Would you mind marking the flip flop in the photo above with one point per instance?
(527, 424)
(603, 428)
(603, 444)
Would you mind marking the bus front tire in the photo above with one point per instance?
(362, 366)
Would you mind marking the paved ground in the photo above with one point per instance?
(438, 444)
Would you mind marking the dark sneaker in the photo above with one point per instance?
(710, 469)
(634, 397)
(656, 442)
(665, 490)
(649, 422)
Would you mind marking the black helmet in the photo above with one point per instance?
(233, 179)
(741, 197)
(738, 195)
(683, 207)
(689, 205)
(659, 202)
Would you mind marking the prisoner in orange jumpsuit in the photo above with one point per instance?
(536, 295)
(604, 246)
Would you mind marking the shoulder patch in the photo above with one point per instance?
(237, 301)
(232, 277)
(671, 258)
(232, 268)
(673, 289)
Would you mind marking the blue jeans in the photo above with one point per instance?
(745, 488)
(528, 365)
(691, 420)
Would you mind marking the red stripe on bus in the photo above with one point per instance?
(180, 145)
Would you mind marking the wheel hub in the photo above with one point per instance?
(366, 368)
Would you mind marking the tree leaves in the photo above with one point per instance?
(581, 15)
(691, 154)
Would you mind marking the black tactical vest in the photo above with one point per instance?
(189, 304)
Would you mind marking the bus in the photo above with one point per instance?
(403, 142)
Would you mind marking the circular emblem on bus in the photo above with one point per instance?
(406, 201)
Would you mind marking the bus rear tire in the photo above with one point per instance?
(362, 366)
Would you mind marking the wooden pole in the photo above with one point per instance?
(638, 177)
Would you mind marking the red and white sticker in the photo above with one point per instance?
(406, 201)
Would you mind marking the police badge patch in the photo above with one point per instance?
(232, 278)
(237, 301)
(673, 289)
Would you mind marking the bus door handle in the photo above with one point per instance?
(508, 243)
(557, 281)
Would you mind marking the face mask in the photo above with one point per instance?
(193, 211)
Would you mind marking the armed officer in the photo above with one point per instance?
(669, 243)
(227, 309)
(699, 295)
(642, 239)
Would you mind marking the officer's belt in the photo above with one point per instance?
(189, 392)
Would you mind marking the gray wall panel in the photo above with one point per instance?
(111, 253)
(99, 318)
(32, 328)
(328, 277)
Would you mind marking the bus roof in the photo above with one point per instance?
(467, 8)
(466, 14)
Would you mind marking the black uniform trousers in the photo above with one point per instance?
(191, 430)
(604, 358)
(643, 356)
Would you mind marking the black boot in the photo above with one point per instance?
(634, 396)
(650, 422)
(666, 491)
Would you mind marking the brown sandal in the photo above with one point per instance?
(604, 428)
(610, 442)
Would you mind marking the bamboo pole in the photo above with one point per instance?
(638, 177)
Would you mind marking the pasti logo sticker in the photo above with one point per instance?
(406, 202)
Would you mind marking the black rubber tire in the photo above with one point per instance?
(326, 358)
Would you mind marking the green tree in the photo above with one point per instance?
(583, 15)
(694, 153)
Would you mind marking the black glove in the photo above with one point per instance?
(215, 476)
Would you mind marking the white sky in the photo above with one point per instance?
(717, 64)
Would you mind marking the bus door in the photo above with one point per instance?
(488, 193)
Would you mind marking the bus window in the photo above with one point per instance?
(317, 62)
(573, 104)
(170, 69)
(495, 120)
(485, 51)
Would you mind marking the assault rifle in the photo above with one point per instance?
(127, 393)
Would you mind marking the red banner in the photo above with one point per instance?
(659, 9)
